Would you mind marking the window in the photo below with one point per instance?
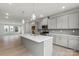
(6, 28)
(11, 28)
(16, 29)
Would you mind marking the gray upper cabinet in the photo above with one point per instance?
(71, 25)
(68, 21)
(44, 21)
(52, 23)
(65, 22)
(62, 22)
(59, 22)
(73, 20)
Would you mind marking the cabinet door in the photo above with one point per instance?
(52, 23)
(45, 21)
(54, 39)
(73, 43)
(65, 22)
(73, 20)
(59, 22)
(71, 25)
(78, 20)
(64, 41)
(77, 46)
(58, 40)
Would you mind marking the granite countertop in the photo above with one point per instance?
(36, 38)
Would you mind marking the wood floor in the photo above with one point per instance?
(61, 51)
(17, 51)
(11, 45)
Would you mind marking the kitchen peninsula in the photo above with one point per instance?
(39, 45)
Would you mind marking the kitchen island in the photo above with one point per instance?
(39, 45)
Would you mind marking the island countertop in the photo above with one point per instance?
(36, 38)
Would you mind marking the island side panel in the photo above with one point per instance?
(48, 47)
(37, 49)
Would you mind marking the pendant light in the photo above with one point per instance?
(33, 17)
(23, 21)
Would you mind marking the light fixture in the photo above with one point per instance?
(60, 30)
(63, 7)
(7, 14)
(33, 16)
(23, 21)
(73, 30)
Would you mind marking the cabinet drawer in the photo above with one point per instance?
(58, 40)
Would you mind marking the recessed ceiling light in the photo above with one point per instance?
(61, 31)
(63, 7)
(7, 14)
(73, 30)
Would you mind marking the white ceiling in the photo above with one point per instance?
(45, 9)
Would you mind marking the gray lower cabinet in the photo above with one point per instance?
(54, 39)
(64, 41)
(58, 40)
(74, 43)
(67, 41)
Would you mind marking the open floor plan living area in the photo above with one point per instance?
(39, 29)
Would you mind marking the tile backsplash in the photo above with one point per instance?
(65, 31)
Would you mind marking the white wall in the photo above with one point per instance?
(7, 22)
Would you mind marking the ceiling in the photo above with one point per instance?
(19, 11)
